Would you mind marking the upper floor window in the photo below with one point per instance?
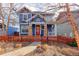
(38, 19)
(24, 17)
(29, 15)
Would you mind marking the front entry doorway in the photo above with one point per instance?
(37, 30)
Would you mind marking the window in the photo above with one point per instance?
(24, 29)
(29, 15)
(38, 19)
(24, 17)
(50, 28)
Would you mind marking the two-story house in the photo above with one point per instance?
(36, 23)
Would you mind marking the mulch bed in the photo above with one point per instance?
(57, 49)
(10, 46)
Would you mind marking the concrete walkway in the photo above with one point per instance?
(22, 51)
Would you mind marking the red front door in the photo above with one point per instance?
(38, 30)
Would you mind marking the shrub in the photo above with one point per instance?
(45, 46)
(73, 44)
(39, 46)
(39, 50)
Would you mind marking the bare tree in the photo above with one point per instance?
(73, 24)
(10, 10)
(2, 17)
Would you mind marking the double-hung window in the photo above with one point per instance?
(24, 17)
(24, 29)
(50, 28)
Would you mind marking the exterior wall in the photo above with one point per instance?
(48, 17)
(63, 29)
(55, 30)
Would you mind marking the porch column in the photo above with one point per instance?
(45, 29)
(55, 29)
(30, 30)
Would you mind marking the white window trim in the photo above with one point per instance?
(25, 14)
(22, 28)
(53, 33)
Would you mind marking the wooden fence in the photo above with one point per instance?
(62, 39)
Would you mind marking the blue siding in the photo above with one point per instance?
(20, 17)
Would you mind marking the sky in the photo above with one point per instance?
(36, 6)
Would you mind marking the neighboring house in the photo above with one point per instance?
(63, 27)
(1, 25)
(11, 29)
(36, 23)
(1, 31)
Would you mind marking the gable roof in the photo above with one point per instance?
(40, 16)
(62, 18)
(23, 10)
(26, 7)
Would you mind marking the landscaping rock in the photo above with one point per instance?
(18, 45)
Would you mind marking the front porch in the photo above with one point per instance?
(42, 30)
(35, 29)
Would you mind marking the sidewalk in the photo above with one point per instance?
(22, 51)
